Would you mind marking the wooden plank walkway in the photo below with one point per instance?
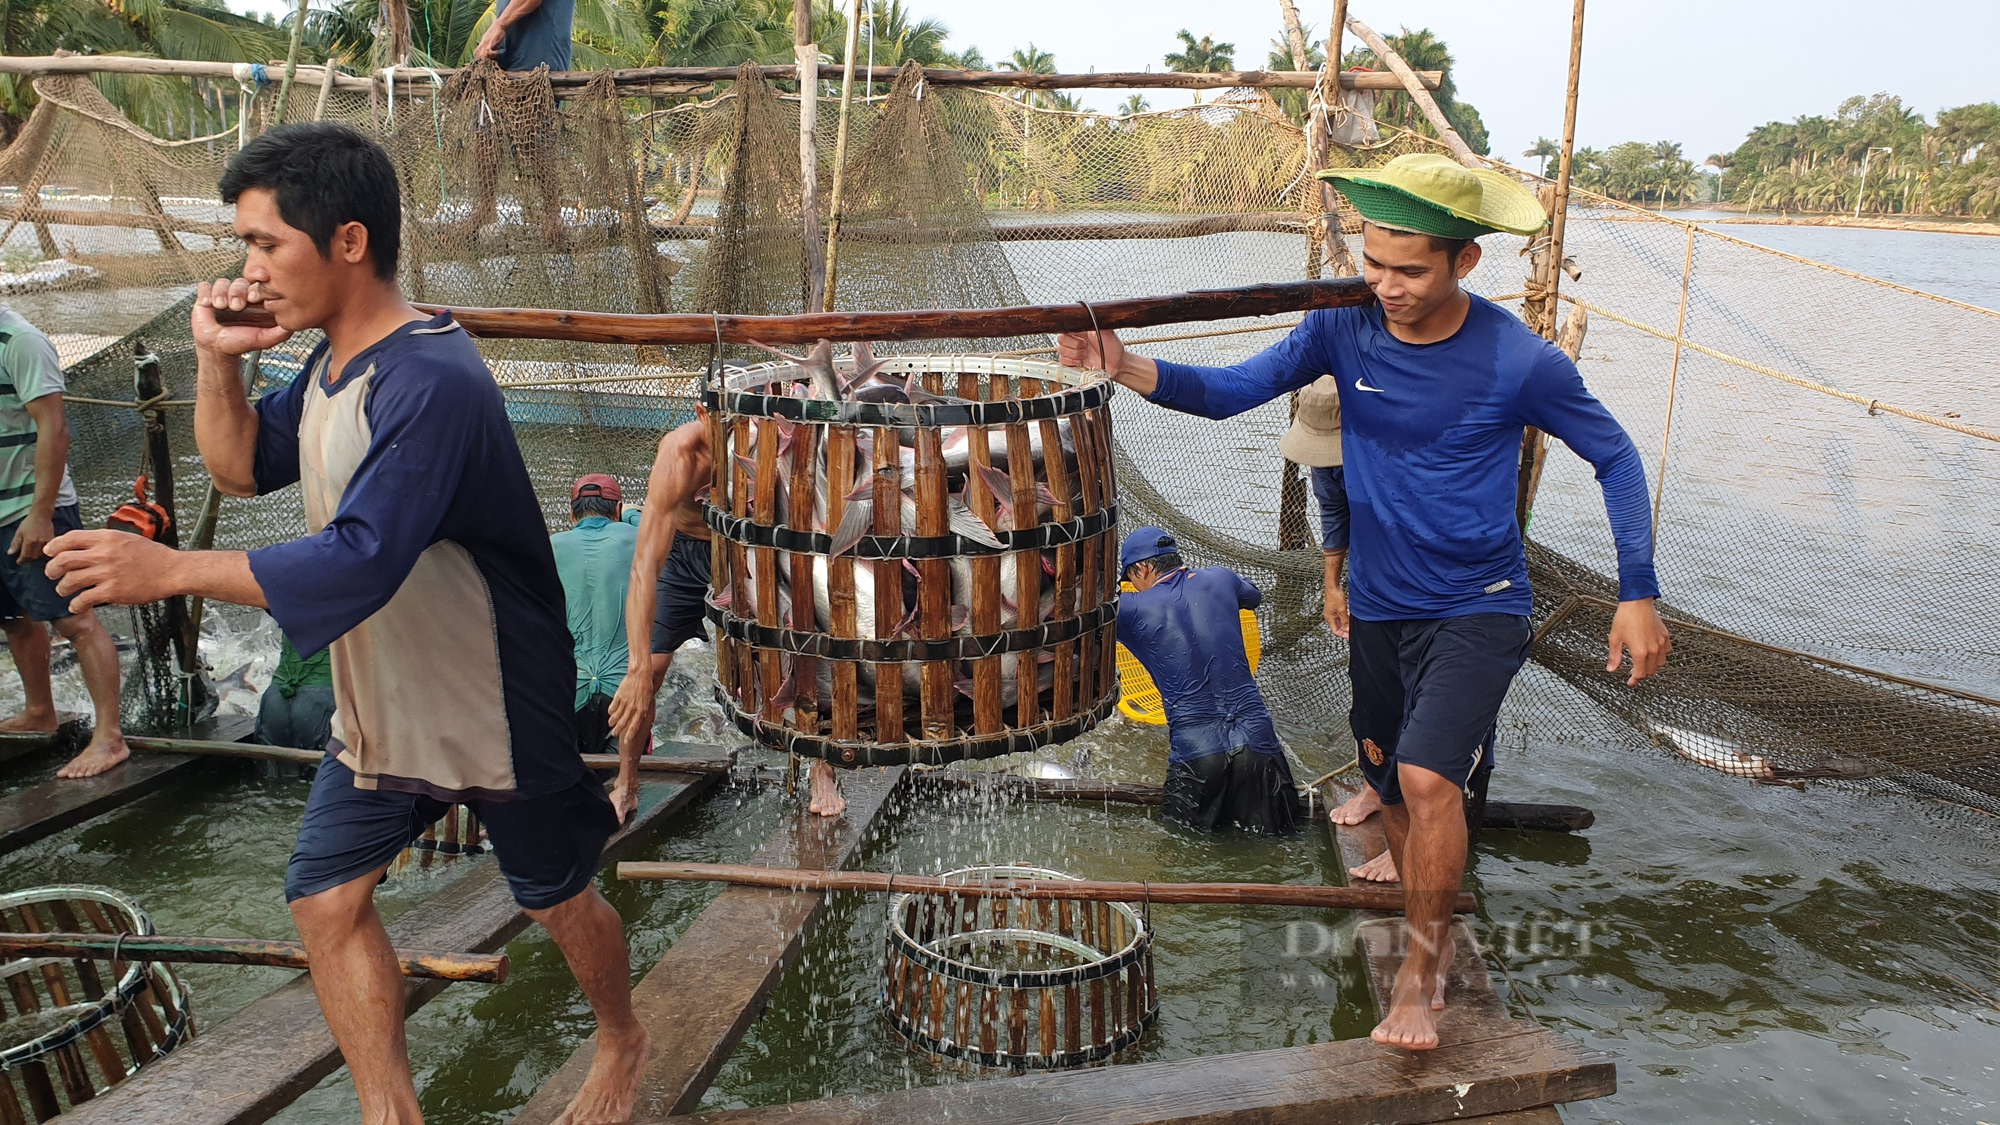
(72, 732)
(40, 811)
(1473, 1006)
(262, 1059)
(710, 986)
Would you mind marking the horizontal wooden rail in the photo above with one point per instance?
(1083, 890)
(649, 763)
(419, 79)
(1076, 316)
(488, 968)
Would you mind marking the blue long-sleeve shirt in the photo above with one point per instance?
(1431, 440)
(1187, 631)
(1330, 489)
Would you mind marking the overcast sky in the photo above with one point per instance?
(1702, 72)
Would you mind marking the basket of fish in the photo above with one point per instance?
(915, 556)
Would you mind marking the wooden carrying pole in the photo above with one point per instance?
(486, 968)
(1075, 890)
(1024, 320)
(251, 751)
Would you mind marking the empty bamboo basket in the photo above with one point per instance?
(988, 561)
(96, 1021)
(1018, 984)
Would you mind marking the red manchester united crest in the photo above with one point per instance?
(1374, 752)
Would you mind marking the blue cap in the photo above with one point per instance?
(1145, 543)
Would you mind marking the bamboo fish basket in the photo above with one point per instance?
(978, 615)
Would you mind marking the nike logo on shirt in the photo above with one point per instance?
(1361, 386)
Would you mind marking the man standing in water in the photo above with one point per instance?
(428, 570)
(1436, 385)
(667, 598)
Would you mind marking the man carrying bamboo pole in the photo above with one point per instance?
(428, 571)
(1436, 385)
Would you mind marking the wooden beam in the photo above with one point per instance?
(1419, 92)
(421, 81)
(251, 751)
(1347, 1082)
(485, 968)
(262, 1059)
(703, 995)
(40, 811)
(702, 328)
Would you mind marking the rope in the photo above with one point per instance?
(1795, 380)
(1203, 335)
(153, 403)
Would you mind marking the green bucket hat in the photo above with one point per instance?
(1430, 194)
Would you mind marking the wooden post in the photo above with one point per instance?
(808, 59)
(150, 383)
(1422, 97)
(1295, 34)
(1535, 443)
(292, 61)
(1673, 378)
(399, 33)
(840, 157)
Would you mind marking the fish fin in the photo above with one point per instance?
(904, 627)
(854, 523)
(961, 618)
(747, 463)
(966, 525)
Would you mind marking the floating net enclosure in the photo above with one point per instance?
(1018, 984)
(76, 1026)
(1824, 446)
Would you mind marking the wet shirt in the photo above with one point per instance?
(1431, 438)
(427, 570)
(1330, 489)
(29, 369)
(595, 561)
(541, 39)
(1188, 632)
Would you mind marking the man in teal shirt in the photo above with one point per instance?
(38, 503)
(594, 559)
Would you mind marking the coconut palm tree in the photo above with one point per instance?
(1134, 104)
(1542, 150)
(174, 29)
(1204, 56)
(1032, 60)
(1295, 102)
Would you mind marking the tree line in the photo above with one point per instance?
(1873, 152)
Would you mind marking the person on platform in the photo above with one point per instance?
(1225, 764)
(669, 589)
(1436, 385)
(297, 709)
(37, 503)
(529, 33)
(427, 569)
(594, 558)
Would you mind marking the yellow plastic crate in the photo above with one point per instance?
(1139, 699)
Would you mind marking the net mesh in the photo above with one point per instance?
(1823, 443)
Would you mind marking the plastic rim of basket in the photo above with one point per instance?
(1139, 698)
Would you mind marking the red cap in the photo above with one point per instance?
(596, 484)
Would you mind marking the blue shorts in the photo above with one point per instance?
(26, 590)
(682, 612)
(1428, 694)
(548, 847)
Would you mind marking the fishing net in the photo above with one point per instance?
(1823, 444)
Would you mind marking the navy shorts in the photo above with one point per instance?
(26, 590)
(682, 613)
(1428, 693)
(548, 847)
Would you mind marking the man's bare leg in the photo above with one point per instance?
(28, 640)
(97, 657)
(1359, 807)
(1427, 837)
(826, 799)
(592, 937)
(360, 989)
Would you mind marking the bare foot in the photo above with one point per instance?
(1381, 869)
(103, 753)
(1358, 808)
(31, 722)
(1445, 960)
(826, 799)
(612, 1086)
(1411, 1023)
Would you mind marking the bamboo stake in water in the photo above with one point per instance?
(1085, 890)
(486, 968)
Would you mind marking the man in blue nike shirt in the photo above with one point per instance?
(1435, 386)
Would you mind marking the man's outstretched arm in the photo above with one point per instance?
(95, 568)
(673, 482)
(1211, 392)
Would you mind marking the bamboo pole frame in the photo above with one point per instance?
(486, 968)
(840, 157)
(1419, 92)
